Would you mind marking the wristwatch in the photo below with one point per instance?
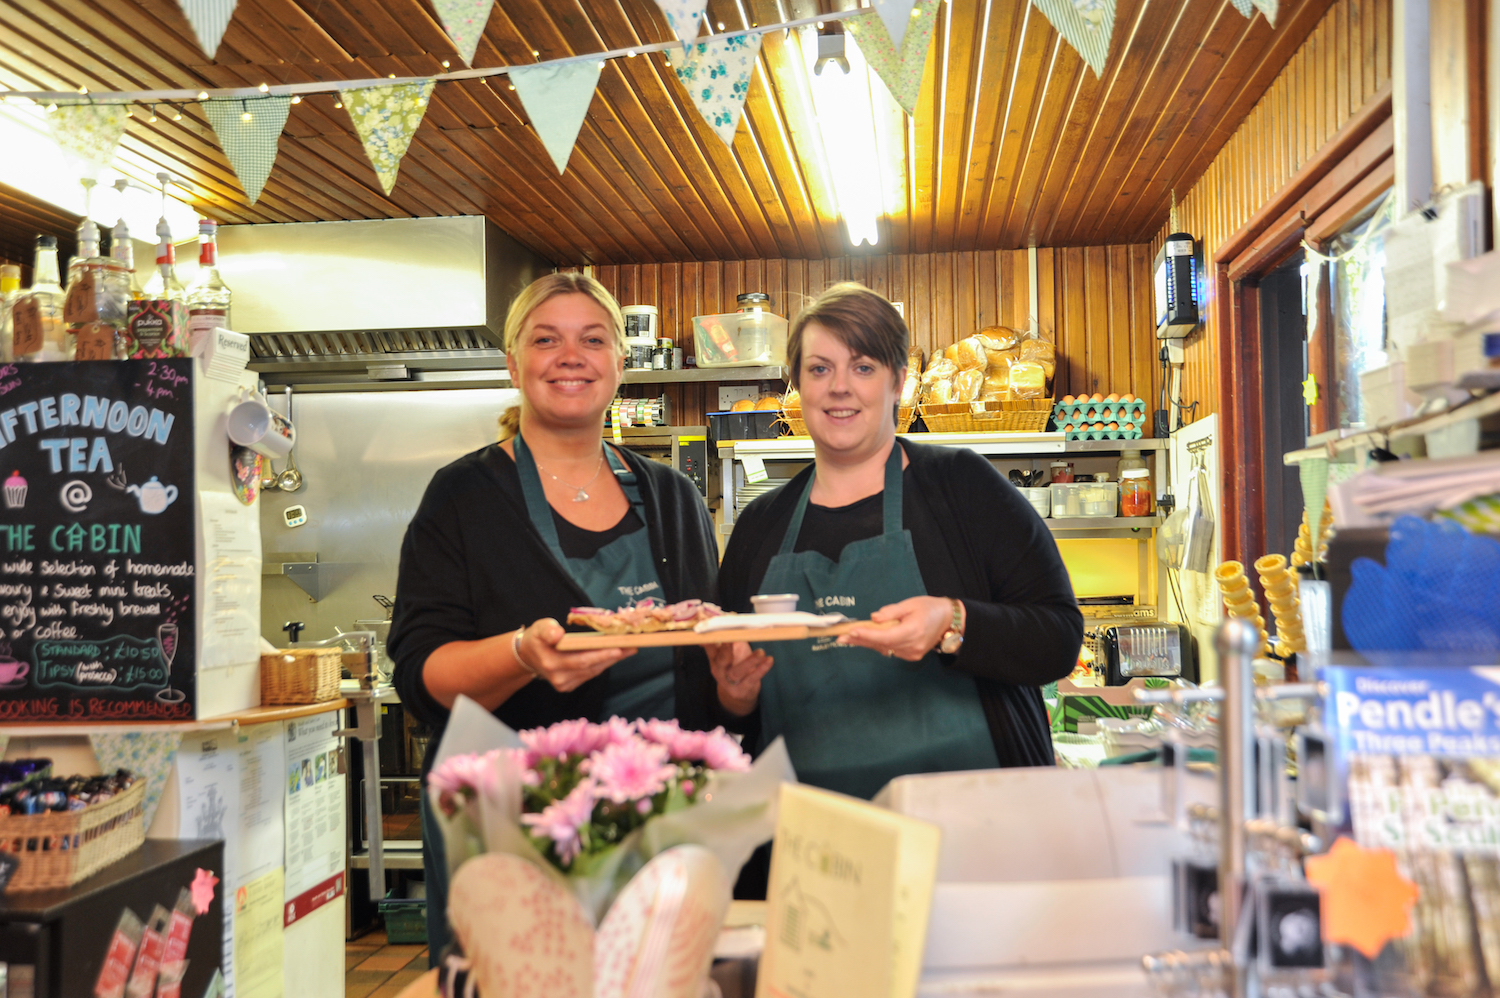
(953, 638)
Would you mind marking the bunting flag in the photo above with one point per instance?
(89, 133)
(147, 754)
(464, 20)
(896, 14)
(1245, 7)
(683, 17)
(556, 98)
(717, 77)
(1087, 25)
(386, 117)
(1268, 8)
(209, 18)
(249, 145)
(901, 71)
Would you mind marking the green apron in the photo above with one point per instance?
(854, 719)
(618, 574)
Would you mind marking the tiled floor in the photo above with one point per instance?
(374, 968)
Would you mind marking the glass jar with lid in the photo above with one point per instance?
(1129, 460)
(1135, 492)
(1062, 472)
(755, 335)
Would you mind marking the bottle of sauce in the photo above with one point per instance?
(1062, 473)
(1135, 493)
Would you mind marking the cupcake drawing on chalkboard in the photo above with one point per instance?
(15, 491)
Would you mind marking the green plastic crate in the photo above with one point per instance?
(405, 919)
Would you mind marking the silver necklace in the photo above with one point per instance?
(582, 495)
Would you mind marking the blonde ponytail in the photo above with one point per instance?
(510, 423)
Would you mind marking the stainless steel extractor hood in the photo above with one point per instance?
(386, 300)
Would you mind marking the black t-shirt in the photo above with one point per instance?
(828, 529)
(577, 542)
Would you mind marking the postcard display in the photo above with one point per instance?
(1418, 754)
(129, 572)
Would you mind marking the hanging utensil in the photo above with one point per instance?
(290, 479)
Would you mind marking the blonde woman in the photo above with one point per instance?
(508, 537)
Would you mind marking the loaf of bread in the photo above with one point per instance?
(1041, 351)
(998, 337)
(939, 393)
(913, 383)
(999, 361)
(1027, 380)
(968, 354)
(941, 369)
(792, 399)
(966, 385)
(769, 403)
(743, 405)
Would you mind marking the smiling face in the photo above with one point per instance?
(847, 399)
(567, 362)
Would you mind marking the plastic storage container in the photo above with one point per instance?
(1084, 499)
(739, 339)
(405, 919)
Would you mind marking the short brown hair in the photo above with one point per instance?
(862, 320)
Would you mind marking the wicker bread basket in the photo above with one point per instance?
(1020, 416)
(300, 675)
(792, 416)
(58, 849)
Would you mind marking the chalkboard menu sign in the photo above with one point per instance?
(97, 552)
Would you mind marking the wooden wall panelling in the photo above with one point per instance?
(1342, 67)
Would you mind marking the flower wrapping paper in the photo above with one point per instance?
(386, 117)
(716, 76)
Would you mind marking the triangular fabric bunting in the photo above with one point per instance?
(717, 78)
(209, 18)
(1268, 8)
(249, 145)
(147, 754)
(556, 98)
(386, 117)
(464, 20)
(1087, 25)
(1245, 7)
(683, 17)
(897, 17)
(90, 133)
(900, 72)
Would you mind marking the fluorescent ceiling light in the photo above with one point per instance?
(34, 164)
(857, 118)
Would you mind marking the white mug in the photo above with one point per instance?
(254, 424)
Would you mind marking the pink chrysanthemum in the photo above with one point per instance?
(561, 820)
(559, 740)
(467, 774)
(721, 751)
(631, 770)
(680, 745)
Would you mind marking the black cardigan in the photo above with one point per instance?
(977, 539)
(473, 566)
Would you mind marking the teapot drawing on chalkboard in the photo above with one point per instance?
(153, 496)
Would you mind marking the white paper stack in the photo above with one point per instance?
(223, 354)
(1472, 288)
(1385, 492)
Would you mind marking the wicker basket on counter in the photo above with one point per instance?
(1020, 416)
(58, 849)
(300, 675)
(792, 416)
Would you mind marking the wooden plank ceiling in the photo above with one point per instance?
(1015, 141)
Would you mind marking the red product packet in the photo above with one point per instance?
(148, 959)
(170, 984)
(179, 929)
(117, 959)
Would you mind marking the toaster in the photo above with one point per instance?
(1164, 651)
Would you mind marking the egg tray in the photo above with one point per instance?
(1133, 411)
(1134, 434)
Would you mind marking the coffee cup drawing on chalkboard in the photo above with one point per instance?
(153, 496)
(12, 672)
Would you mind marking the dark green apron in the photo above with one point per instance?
(618, 574)
(854, 719)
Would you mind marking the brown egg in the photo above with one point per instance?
(1067, 400)
(1096, 397)
(1113, 426)
(1127, 397)
(1129, 427)
(1093, 414)
(1097, 427)
(1068, 428)
(1112, 397)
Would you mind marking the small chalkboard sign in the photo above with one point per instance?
(97, 546)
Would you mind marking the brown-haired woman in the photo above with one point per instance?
(509, 537)
(931, 539)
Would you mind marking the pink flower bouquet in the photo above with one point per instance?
(617, 841)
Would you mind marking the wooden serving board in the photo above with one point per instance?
(585, 641)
